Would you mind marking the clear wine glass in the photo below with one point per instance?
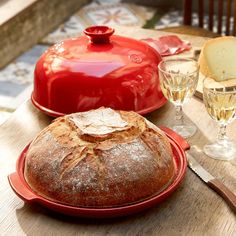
(220, 102)
(178, 80)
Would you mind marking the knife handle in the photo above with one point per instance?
(224, 192)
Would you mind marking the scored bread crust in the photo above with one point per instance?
(122, 164)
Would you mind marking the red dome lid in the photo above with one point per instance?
(96, 70)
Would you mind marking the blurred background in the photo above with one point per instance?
(29, 27)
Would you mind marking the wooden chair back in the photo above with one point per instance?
(219, 8)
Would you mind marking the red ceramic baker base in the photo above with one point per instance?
(22, 189)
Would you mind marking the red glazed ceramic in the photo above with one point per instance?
(22, 189)
(98, 69)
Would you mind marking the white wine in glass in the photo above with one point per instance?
(178, 80)
(220, 102)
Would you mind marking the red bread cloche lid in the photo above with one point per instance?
(99, 69)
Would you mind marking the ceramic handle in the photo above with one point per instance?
(99, 34)
(20, 189)
(224, 192)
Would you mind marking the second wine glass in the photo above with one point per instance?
(220, 102)
(178, 80)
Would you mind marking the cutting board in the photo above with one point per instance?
(199, 89)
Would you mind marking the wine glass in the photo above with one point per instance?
(220, 102)
(178, 81)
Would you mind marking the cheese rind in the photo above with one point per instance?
(218, 58)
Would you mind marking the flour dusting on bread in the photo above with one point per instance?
(100, 158)
(99, 122)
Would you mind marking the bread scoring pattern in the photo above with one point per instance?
(69, 162)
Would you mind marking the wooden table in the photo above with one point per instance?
(193, 209)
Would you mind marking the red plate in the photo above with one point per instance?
(22, 189)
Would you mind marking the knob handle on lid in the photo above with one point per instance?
(99, 34)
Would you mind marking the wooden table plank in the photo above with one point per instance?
(193, 209)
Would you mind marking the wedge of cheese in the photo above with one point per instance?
(217, 59)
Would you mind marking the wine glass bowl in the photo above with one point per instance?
(220, 102)
(178, 82)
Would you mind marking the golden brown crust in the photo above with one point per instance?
(120, 167)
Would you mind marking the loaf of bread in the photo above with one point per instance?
(217, 58)
(99, 158)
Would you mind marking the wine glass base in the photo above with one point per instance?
(224, 150)
(186, 130)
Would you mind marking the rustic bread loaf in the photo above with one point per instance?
(99, 158)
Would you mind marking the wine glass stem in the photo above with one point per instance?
(222, 132)
(179, 118)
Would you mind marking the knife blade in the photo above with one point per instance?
(210, 180)
(198, 169)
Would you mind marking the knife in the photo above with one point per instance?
(210, 180)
